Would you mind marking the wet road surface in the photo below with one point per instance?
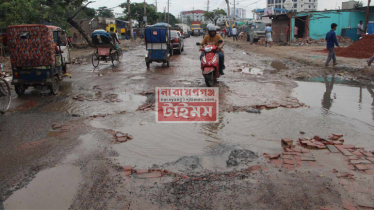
(79, 166)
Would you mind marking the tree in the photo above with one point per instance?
(105, 12)
(137, 13)
(214, 15)
(189, 20)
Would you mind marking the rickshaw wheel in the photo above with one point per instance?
(55, 85)
(95, 60)
(20, 89)
(148, 64)
(115, 59)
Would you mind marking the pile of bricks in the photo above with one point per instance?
(261, 41)
(344, 39)
(292, 157)
(318, 143)
(109, 98)
(122, 137)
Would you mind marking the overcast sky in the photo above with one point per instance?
(176, 6)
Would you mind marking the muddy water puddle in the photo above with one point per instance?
(52, 188)
(334, 96)
(128, 101)
(186, 147)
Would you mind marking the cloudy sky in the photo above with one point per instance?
(176, 6)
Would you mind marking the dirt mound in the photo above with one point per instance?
(360, 49)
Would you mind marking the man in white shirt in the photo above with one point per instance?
(234, 33)
(360, 30)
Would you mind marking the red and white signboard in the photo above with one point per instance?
(186, 105)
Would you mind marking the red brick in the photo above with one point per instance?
(370, 171)
(349, 146)
(371, 159)
(142, 171)
(322, 147)
(287, 142)
(298, 158)
(367, 154)
(130, 137)
(255, 167)
(127, 173)
(361, 167)
(348, 205)
(277, 162)
(288, 150)
(354, 162)
(351, 167)
(275, 156)
(343, 150)
(288, 161)
(338, 135)
(353, 158)
(287, 157)
(122, 139)
(312, 164)
(304, 150)
(370, 166)
(154, 174)
(127, 168)
(289, 166)
(357, 153)
(297, 150)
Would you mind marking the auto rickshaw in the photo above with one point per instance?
(158, 44)
(39, 55)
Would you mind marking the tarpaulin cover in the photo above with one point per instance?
(156, 35)
(101, 37)
(31, 45)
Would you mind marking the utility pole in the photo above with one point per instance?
(156, 11)
(193, 14)
(145, 13)
(228, 12)
(168, 12)
(367, 16)
(234, 13)
(208, 7)
(130, 21)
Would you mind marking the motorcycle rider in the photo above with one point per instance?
(215, 39)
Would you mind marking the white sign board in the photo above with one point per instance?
(145, 18)
(288, 4)
(269, 11)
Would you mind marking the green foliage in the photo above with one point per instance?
(105, 12)
(14, 12)
(214, 15)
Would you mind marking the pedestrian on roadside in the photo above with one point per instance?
(360, 30)
(370, 61)
(251, 33)
(331, 42)
(288, 32)
(234, 33)
(269, 32)
(296, 32)
(224, 32)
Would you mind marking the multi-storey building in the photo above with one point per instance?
(298, 5)
(198, 15)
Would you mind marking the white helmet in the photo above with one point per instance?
(212, 28)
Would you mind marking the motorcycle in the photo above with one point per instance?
(210, 64)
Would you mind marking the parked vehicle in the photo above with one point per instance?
(158, 44)
(259, 30)
(39, 55)
(105, 49)
(196, 32)
(177, 41)
(210, 64)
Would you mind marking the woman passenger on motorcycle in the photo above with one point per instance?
(214, 39)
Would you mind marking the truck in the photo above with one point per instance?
(186, 30)
(196, 28)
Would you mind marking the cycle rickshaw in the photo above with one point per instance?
(105, 49)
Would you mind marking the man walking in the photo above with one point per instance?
(331, 42)
(296, 32)
(234, 33)
(360, 30)
(224, 32)
(251, 33)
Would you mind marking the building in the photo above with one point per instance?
(298, 6)
(240, 13)
(315, 24)
(351, 4)
(195, 15)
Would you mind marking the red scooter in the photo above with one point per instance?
(210, 64)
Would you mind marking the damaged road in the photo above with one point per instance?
(97, 146)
